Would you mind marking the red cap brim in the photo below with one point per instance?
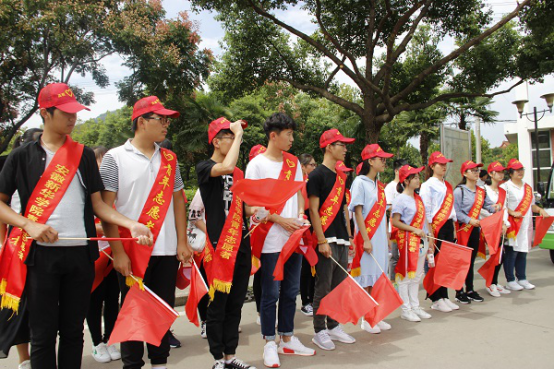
(442, 160)
(515, 166)
(167, 113)
(71, 107)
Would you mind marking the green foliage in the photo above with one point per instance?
(110, 130)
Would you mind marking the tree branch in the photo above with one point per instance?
(332, 75)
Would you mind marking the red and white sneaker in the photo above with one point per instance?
(271, 358)
(295, 347)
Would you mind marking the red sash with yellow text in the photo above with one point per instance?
(257, 240)
(445, 210)
(523, 208)
(45, 197)
(464, 231)
(408, 244)
(219, 263)
(372, 222)
(152, 215)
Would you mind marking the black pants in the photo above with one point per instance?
(160, 277)
(472, 243)
(59, 280)
(203, 303)
(105, 298)
(224, 312)
(498, 267)
(307, 283)
(445, 233)
(257, 289)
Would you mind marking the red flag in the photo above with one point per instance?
(491, 228)
(452, 267)
(541, 227)
(143, 317)
(183, 277)
(267, 192)
(102, 267)
(429, 281)
(291, 246)
(347, 302)
(487, 270)
(198, 289)
(389, 300)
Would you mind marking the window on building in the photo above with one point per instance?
(545, 155)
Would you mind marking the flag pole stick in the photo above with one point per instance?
(349, 276)
(252, 230)
(501, 249)
(200, 274)
(376, 262)
(438, 239)
(111, 258)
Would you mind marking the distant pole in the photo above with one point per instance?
(477, 140)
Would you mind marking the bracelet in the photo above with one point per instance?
(321, 242)
(351, 237)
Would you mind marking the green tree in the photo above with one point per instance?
(464, 111)
(261, 45)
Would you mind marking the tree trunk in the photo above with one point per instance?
(372, 129)
(424, 147)
(11, 131)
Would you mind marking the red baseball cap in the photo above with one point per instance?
(331, 136)
(255, 151)
(438, 157)
(219, 124)
(342, 167)
(467, 165)
(406, 171)
(514, 164)
(374, 150)
(152, 104)
(60, 96)
(495, 166)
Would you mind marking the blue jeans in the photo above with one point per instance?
(285, 291)
(514, 259)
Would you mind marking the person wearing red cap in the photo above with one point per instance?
(408, 216)
(268, 240)
(497, 196)
(520, 203)
(469, 199)
(227, 258)
(143, 181)
(438, 197)
(329, 217)
(59, 186)
(369, 204)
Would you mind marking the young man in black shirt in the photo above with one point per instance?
(59, 273)
(227, 260)
(326, 188)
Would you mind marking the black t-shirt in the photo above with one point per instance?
(217, 198)
(320, 183)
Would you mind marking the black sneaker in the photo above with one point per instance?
(238, 364)
(462, 298)
(474, 296)
(219, 364)
(173, 342)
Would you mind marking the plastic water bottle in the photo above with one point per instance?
(431, 260)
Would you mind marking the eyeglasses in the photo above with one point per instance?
(473, 170)
(338, 144)
(161, 120)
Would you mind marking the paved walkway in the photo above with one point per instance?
(513, 331)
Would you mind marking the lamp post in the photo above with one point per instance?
(520, 104)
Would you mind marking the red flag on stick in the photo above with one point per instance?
(290, 247)
(267, 192)
(347, 302)
(386, 296)
(143, 317)
(487, 270)
(491, 228)
(541, 227)
(102, 267)
(198, 289)
(429, 281)
(452, 267)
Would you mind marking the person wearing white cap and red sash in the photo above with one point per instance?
(408, 217)
(269, 239)
(143, 181)
(329, 217)
(369, 205)
(58, 182)
(520, 204)
(469, 199)
(438, 198)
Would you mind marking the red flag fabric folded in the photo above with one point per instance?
(429, 281)
(267, 192)
(183, 277)
(386, 296)
(290, 247)
(541, 227)
(143, 317)
(452, 267)
(491, 229)
(347, 302)
(482, 250)
(198, 289)
(487, 270)
(102, 267)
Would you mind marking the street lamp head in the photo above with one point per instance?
(549, 98)
(520, 104)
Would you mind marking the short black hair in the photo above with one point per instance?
(483, 173)
(50, 111)
(278, 122)
(135, 121)
(399, 163)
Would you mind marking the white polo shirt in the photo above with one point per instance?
(433, 192)
(131, 174)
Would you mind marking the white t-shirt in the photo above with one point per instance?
(259, 168)
(390, 195)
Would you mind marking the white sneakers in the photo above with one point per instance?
(421, 313)
(513, 286)
(441, 305)
(526, 284)
(25, 365)
(337, 334)
(366, 327)
(451, 305)
(294, 347)
(114, 352)
(100, 353)
(323, 340)
(384, 326)
(410, 316)
(271, 357)
(493, 290)
(502, 290)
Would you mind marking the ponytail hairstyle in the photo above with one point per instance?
(462, 182)
(366, 167)
(400, 186)
(428, 172)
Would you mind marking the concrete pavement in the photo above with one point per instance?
(513, 331)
